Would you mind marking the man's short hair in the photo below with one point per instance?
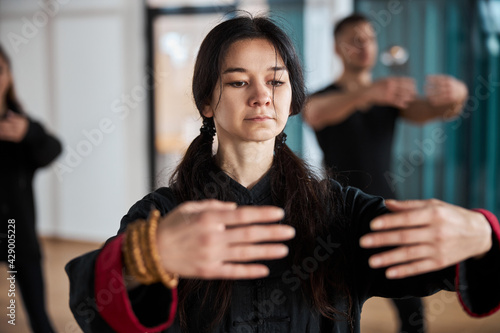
(351, 19)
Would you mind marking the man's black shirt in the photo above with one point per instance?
(358, 150)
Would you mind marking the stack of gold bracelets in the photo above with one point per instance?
(140, 253)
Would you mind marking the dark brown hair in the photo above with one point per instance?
(351, 19)
(306, 200)
(11, 98)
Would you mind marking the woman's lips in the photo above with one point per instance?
(259, 118)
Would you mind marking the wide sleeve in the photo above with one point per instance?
(99, 298)
(474, 280)
(41, 147)
(478, 280)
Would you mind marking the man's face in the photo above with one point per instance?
(357, 46)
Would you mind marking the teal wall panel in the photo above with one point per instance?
(451, 37)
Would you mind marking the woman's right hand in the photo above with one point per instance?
(14, 127)
(212, 239)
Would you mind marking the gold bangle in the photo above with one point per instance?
(134, 254)
(148, 260)
(140, 252)
(127, 260)
(144, 258)
(168, 279)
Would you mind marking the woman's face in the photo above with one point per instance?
(5, 79)
(252, 100)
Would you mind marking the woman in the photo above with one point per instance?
(24, 147)
(232, 253)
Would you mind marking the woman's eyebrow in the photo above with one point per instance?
(243, 70)
(277, 68)
(234, 69)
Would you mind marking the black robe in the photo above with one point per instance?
(18, 163)
(275, 303)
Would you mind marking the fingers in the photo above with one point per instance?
(406, 261)
(394, 238)
(189, 212)
(406, 214)
(238, 271)
(411, 269)
(444, 89)
(407, 84)
(5, 128)
(400, 255)
(406, 92)
(209, 238)
(400, 91)
(429, 235)
(202, 205)
(255, 233)
(247, 253)
(397, 205)
(438, 78)
(13, 128)
(436, 84)
(244, 244)
(229, 214)
(438, 95)
(7, 132)
(251, 214)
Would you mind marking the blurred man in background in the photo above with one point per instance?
(365, 111)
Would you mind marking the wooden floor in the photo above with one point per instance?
(443, 313)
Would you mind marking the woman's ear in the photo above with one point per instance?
(208, 111)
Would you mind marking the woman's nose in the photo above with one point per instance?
(261, 95)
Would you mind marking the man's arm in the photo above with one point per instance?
(444, 99)
(333, 108)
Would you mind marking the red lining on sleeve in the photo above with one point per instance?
(111, 295)
(495, 227)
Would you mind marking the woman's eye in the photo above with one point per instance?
(276, 83)
(237, 84)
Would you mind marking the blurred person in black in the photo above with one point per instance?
(354, 119)
(24, 147)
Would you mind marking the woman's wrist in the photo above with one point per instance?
(486, 224)
(140, 253)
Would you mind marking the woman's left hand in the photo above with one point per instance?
(429, 235)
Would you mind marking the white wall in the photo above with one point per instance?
(322, 64)
(77, 63)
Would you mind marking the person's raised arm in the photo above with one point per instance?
(334, 107)
(444, 99)
(431, 236)
(205, 239)
(216, 240)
